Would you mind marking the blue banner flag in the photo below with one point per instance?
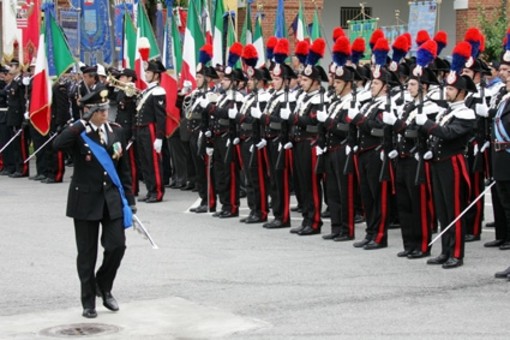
(96, 38)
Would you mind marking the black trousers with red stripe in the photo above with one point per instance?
(340, 192)
(451, 189)
(503, 188)
(279, 181)
(41, 163)
(55, 161)
(201, 163)
(19, 150)
(501, 224)
(305, 159)
(256, 178)
(474, 216)
(226, 176)
(150, 161)
(375, 196)
(412, 206)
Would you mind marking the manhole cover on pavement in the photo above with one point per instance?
(80, 330)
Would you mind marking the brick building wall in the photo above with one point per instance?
(291, 10)
(469, 17)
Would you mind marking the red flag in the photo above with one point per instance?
(29, 21)
(40, 101)
(173, 114)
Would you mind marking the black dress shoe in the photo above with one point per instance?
(326, 214)
(374, 245)
(504, 246)
(493, 244)
(359, 219)
(342, 238)
(188, 186)
(308, 230)
(296, 230)
(394, 225)
(89, 313)
(490, 225)
(403, 253)
(471, 238)
(242, 194)
(201, 209)
(217, 214)
(38, 177)
(178, 185)
(17, 175)
(276, 224)
(142, 199)
(296, 209)
(452, 262)
(49, 181)
(254, 219)
(228, 214)
(503, 274)
(331, 236)
(5, 172)
(110, 302)
(418, 254)
(438, 260)
(361, 244)
(152, 199)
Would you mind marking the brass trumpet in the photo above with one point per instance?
(129, 88)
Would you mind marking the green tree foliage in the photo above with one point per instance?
(493, 24)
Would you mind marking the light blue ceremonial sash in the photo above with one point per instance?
(499, 128)
(106, 162)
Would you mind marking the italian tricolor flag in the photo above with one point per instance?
(40, 101)
(218, 34)
(258, 42)
(193, 41)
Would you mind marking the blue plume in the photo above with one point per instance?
(204, 58)
(424, 57)
(380, 57)
(356, 57)
(340, 58)
(458, 63)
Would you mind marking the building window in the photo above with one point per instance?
(353, 13)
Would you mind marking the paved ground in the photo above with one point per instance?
(216, 278)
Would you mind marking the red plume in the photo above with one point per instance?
(207, 48)
(271, 42)
(409, 38)
(302, 47)
(282, 47)
(376, 35)
(318, 47)
(236, 48)
(382, 45)
(441, 37)
(337, 33)
(359, 45)
(250, 52)
(463, 48)
(473, 34)
(342, 46)
(422, 36)
(401, 43)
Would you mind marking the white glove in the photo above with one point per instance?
(208, 134)
(421, 119)
(158, 143)
(389, 118)
(382, 155)
(209, 151)
(228, 142)
(348, 150)
(355, 148)
(280, 146)
(203, 102)
(322, 115)
(236, 141)
(200, 134)
(261, 144)
(252, 148)
(26, 81)
(482, 110)
(287, 146)
(255, 112)
(417, 156)
(485, 146)
(319, 150)
(285, 113)
(393, 154)
(232, 113)
(352, 113)
(475, 150)
(26, 115)
(428, 155)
